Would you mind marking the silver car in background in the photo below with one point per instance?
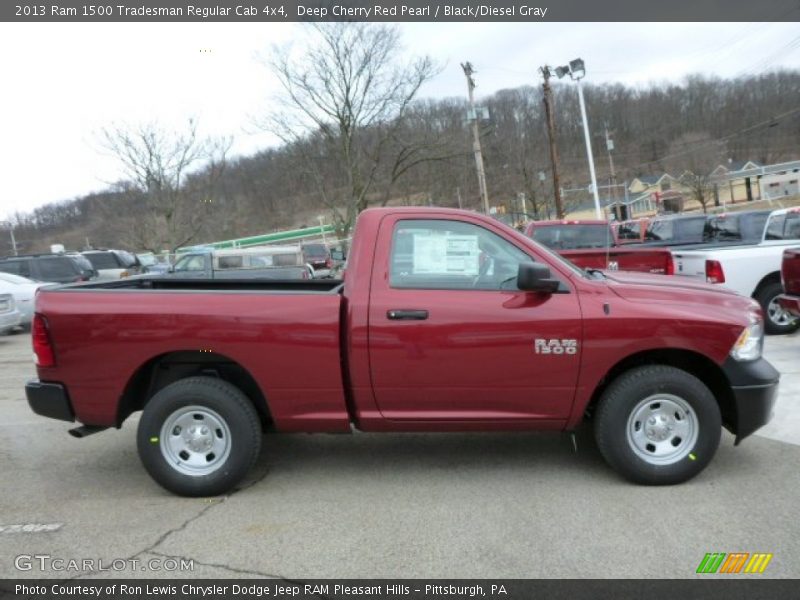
(10, 317)
(24, 291)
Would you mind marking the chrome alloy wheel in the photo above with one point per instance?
(662, 429)
(195, 440)
(777, 314)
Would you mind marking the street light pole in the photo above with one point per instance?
(577, 71)
(598, 213)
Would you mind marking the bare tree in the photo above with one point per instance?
(349, 89)
(692, 157)
(165, 179)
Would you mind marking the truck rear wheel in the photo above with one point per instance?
(658, 425)
(776, 319)
(199, 436)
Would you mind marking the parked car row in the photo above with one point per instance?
(750, 268)
(741, 250)
(726, 228)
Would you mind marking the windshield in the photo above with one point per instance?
(148, 260)
(722, 229)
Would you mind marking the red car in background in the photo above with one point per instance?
(319, 258)
(591, 244)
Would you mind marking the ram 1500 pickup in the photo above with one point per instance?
(446, 321)
(593, 245)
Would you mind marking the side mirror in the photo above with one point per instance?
(337, 255)
(535, 277)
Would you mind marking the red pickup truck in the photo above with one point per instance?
(790, 277)
(592, 244)
(446, 321)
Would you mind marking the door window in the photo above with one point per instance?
(195, 262)
(452, 255)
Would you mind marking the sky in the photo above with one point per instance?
(63, 83)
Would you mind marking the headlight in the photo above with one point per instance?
(750, 342)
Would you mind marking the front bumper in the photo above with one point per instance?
(790, 304)
(49, 400)
(755, 386)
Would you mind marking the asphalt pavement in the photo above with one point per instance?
(520, 505)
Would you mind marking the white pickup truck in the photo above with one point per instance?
(753, 269)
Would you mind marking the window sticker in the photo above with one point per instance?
(446, 254)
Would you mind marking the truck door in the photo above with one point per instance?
(452, 338)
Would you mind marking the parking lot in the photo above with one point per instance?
(401, 505)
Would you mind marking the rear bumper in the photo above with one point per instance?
(49, 400)
(790, 304)
(755, 386)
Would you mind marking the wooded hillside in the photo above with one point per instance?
(756, 118)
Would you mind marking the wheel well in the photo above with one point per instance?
(698, 365)
(766, 280)
(159, 372)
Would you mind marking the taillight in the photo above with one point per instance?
(42, 348)
(124, 274)
(328, 263)
(80, 278)
(714, 272)
(670, 268)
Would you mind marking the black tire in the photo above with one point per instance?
(224, 411)
(777, 322)
(625, 396)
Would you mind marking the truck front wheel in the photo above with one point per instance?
(658, 425)
(199, 436)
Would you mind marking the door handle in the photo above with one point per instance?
(406, 315)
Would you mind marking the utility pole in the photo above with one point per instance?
(476, 136)
(613, 179)
(521, 196)
(551, 132)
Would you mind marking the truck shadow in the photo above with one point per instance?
(392, 455)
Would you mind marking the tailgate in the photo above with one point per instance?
(643, 260)
(690, 264)
(790, 271)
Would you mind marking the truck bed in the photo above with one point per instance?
(284, 334)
